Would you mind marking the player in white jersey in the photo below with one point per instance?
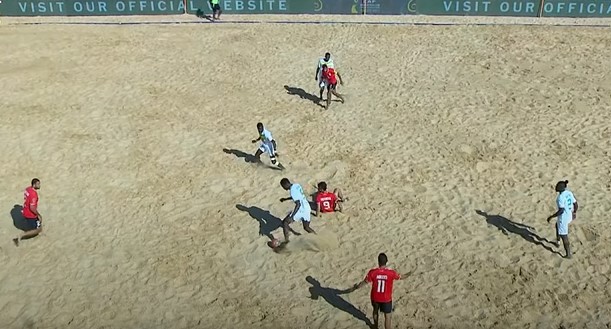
(268, 144)
(301, 212)
(567, 211)
(321, 82)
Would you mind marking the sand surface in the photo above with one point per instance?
(150, 224)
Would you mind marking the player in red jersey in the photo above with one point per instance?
(327, 201)
(33, 219)
(382, 279)
(330, 76)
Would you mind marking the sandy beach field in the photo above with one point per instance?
(448, 146)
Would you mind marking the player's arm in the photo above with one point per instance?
(575, 207)
(34, 210)
(274, 144)
(317, 72)
(317, 208)
(341, 82)
(556, 214)
(285, 199)
(256, 140)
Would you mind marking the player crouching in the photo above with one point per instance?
(268, 145)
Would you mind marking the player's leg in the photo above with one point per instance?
(386, 308)
(340, 199)
(341, 98)
(286, 228)
(34, 228)
(217, 9)
(321, 86)
(303, 215)
(376, 310)
(567, 246)
(557, 243)
(329, 87)
(271, 151)
(563, 232)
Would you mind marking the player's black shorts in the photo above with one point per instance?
(215, 7)
(31, 224)
(331, 86)
(382, 307)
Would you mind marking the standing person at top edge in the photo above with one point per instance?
(33, 219)
(321, 82)
(216, 9)
(567, 211)
(381, 279)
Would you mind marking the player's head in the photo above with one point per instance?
(36, 183)
(561, 186)
(327, 56)
(324, 67)
(285, 183)
(322, 187)
(260, 127)
(382, 259)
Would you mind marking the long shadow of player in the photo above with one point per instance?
(332, 296)
(303, 94)
(507, 226)
(248, 158)
(267, 222)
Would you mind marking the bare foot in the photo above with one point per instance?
(16, 242)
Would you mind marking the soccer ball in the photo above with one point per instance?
(274, 243)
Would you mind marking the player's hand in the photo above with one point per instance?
(574, 215)
(549, 219)
(253, 141)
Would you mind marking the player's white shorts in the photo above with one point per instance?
(302, 215)
(268, 148)
(562, 225)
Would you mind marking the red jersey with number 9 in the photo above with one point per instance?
(382, 279)
(326, 201)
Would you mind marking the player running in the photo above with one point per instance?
(268, 144)
(330, 76)
(328, 202)
(33, 219)
(321, 82)
(381, 279)
(301, 212)
(567, 211)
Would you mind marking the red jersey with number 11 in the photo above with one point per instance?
(382, 279)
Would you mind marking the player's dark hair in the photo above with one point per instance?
(259, 124)
(324, 66)
(35, 180)
(327, 54)
(561, 185)
(382, 259)
(322, 186)
(285, 181)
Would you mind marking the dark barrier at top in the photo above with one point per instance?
(525, 8)
(170, 7)
(281, 6)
